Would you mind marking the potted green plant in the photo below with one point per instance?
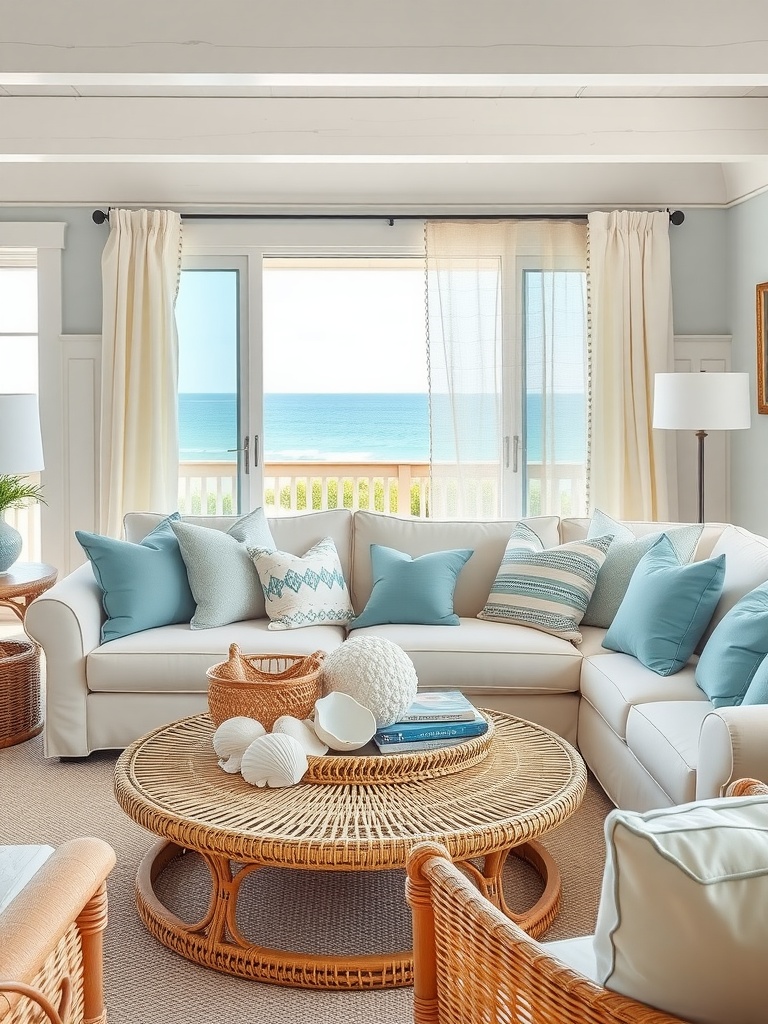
(15, 492)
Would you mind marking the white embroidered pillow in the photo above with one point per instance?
(303, 590)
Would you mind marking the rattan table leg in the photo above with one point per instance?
(537, 919)
(215, 940)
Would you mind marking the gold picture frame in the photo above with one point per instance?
(762, 347)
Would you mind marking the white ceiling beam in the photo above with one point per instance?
(396, 37)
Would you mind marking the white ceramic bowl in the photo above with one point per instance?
(342, 722)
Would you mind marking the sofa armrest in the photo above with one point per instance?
(37, 947)
(733, 744)
(66, 621)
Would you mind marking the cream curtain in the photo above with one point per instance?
(506, 316)
(139, 371)
(630, 325)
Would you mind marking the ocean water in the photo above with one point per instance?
(364, 427)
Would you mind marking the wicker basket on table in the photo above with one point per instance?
(264, 686)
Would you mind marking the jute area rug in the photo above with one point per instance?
(45, 801)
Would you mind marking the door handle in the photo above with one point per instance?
(255, 450)
(244, 449)
(515, 450)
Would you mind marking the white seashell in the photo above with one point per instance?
(303, 732)
(342, 722)
(274, 760)
(232, 738)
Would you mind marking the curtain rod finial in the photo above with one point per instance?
(676, 216)
(98, 216)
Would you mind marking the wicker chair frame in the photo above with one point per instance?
(473, 965)
(51, 939)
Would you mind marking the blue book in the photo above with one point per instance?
(440, 706)
(407, 732)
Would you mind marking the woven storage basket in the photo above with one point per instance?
(20, 716)
(264, 686)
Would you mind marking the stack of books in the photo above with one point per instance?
(439, 719)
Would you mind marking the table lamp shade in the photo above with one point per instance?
(701, 401)
(21, 446)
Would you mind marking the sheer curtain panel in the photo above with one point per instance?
(630, 323)
(506, 319)
(139, 370)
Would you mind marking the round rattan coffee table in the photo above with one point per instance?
(169, 782)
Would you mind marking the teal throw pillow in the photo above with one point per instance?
(224, 581)
(143, 585)
(757, 691)
(416, 590)
(666, 608)
(622, 559)
(737, 646)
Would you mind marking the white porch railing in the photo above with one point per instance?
(402, 488)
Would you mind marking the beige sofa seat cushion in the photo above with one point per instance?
(175, 658)
(613, 683)
(486, 657)
(664, 737)
(488, 541)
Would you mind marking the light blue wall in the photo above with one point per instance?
(699, 255)
(748, 267)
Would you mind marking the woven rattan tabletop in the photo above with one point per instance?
(170, 783)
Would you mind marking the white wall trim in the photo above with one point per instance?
(33, 234)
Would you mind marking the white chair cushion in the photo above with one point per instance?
(17, 865)
(682, 922)
(578, 954)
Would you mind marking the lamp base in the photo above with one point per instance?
(10, 545)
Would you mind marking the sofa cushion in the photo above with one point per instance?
(487, 539)
(666, 608)
(621, 560)
(416, 590)
(549, 589)
(143, 585)
(664, 737)
(614, 683)
(175, 658)
(735, 649)
(222, 577)
(482, 657)
(17, 866)
(746, 567)
(680, 923)
(303, 590)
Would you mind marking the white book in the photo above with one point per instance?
(411, 745)
(440, 706)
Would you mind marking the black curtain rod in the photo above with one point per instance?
(99, 216)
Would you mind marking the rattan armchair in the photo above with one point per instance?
(51, 950)
(472, 964)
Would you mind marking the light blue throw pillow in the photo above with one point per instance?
(757, 691)
(143, 585)
(416, 590)
(222, 577)
(666, 608)
(737, 646)
(622, 559)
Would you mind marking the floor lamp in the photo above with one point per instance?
(701, 402)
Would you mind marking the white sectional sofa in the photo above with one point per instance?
(650, 740)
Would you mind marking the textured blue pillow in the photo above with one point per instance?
(144, 585)
(666, 608)
(406, 589)
(732, 654)
(757, 691)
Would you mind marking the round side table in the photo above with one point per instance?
(20, 711)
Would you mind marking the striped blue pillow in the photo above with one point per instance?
(547, 589)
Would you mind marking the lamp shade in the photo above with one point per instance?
(701, 401)
(21, 446)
